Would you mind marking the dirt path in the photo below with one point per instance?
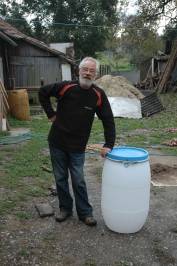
(36, 241)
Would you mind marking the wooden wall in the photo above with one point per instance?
(29, 64)
(29, 71)
(27, 49)
(26, 65)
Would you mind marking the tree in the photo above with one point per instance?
(14, 15)
(151, 11)
(88, 23)
(138, 40)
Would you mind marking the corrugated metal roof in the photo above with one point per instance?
(12, 32)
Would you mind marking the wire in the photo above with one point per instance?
(64, 24)
(85, 25)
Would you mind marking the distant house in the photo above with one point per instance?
(65, 47)
(68, 49)
(26, 62)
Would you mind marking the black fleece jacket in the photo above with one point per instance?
(75, 114)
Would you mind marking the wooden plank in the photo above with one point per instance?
(1, 70)
(3, 88)
(4, 104)
(161, 86)
(4, 96)
(1, 111)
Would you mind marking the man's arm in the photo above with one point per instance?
(104, 113)
(45, 92)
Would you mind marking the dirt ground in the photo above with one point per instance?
(42, 241)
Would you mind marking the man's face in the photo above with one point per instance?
(87, 74)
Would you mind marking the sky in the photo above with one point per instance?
(132, 8)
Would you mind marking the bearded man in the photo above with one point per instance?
(78, 101)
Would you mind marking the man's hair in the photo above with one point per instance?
(82, 63)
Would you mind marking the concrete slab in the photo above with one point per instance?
(44, 209)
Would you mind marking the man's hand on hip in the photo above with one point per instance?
(104, 151)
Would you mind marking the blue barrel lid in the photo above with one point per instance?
(125, 153)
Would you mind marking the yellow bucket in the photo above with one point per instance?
(19, 104)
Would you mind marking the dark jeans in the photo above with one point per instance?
(63, 163)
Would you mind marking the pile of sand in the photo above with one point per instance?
(116, 86)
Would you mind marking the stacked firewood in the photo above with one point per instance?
(4, 108)
(171, 143)
(149, 83)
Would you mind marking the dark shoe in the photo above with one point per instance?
(62, 216)
(89, 220)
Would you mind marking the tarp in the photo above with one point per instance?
(125, 107)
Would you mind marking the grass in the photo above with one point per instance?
(145, 132)
(23, 177)
(123, 64)
(23, 215)
(3, 133)
(123, 263)
(23, 174)
(90, 262)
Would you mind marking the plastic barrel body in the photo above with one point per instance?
(125, 195)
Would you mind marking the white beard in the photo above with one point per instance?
(85, 83)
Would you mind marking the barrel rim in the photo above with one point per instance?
(121, 158)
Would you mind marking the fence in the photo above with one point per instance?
(105, 70)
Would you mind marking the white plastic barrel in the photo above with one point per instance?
(125, 189)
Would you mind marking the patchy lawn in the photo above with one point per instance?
(27, 239)
(23, 163)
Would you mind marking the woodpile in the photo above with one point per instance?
(149, 83)
(164, 81)
(171, 143)
(4, 108)
(94, 147)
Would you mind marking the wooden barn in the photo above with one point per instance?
(26, 62)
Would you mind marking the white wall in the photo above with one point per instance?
(66, 72)
(66, 68)
(61, 46)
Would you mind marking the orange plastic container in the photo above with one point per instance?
(19, 104)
